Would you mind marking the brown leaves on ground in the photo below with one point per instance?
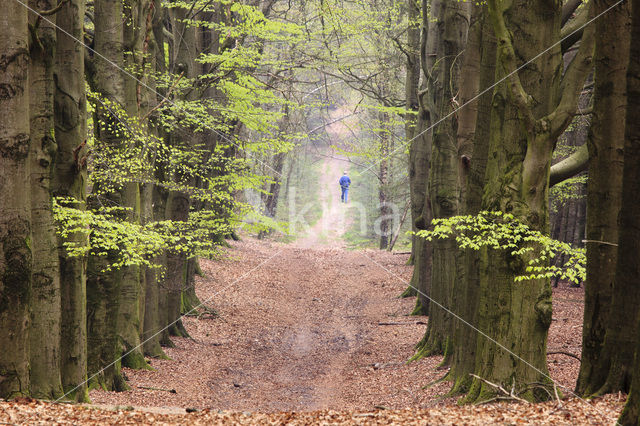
(315, 336)
(571, 412)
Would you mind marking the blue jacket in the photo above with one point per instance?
(345, 181)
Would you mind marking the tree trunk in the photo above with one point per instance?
(419, 164)
(386, 216)
(451, 22)
(606, 143)
(135, 34)
(152, 324)
(45, 298)
(529, 113)
(104, 292)
(69, 181)
(628, 268)
(480, 59)
(15, 208)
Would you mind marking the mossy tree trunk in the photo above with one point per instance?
(152, 326)
(15, 207)
(478, 75)
(179, 202)
(605, 143)
(412, 81)
(449, 24)
(530, 111)
(103, 284)
(44, 333)
(69, 181)
(419, 164)
(136, 36)
(628, 267)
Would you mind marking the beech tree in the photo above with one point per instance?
(527, 117)
(16, 256)
(606, 147)
(69, 181)
(447, 36)
(628, 260)
(44, 333)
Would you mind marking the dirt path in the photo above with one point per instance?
(302, 332)
(329, 229)
(308, 329)
(312, 326)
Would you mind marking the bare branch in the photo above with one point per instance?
(54, 10)
(508, 395)
(568, 8)
(572, 83)
(570, 166)
(507, 58)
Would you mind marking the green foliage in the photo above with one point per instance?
(129, 243)
(570, 189)
(502, 231)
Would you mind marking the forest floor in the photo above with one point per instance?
(311, 332)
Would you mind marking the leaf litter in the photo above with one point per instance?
(315, 336)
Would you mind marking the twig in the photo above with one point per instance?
(402, 323)
(401, 252)
(164, 99)
(555, 391)
(600, 242)
(510, 395)
(158, 389)
(397, 233)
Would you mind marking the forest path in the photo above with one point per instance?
(308, 329)
(336, 218)
(311, 329)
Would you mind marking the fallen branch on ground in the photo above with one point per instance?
(508, 395)
(564, 353)
(158, 389)
(402, 323)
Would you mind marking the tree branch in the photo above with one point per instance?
(510, 395)
(507, 58)
(568, 8)
(164, 99)
(570, 166)
(54, 10)
(572, 31)
(572, 83)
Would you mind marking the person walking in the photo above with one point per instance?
(344, 184)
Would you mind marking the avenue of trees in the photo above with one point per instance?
(133, 130)
(520, 70)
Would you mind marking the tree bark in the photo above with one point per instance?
(15, 208)
(178, 202)
(69, 181)
(530, 111)
(135, 33)
(628, 266)
(104, 285)
(151, 324)
(480, 60)
(385, 219)
(449, 24)
(419, 165)
(606, 144)
(44, 333)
